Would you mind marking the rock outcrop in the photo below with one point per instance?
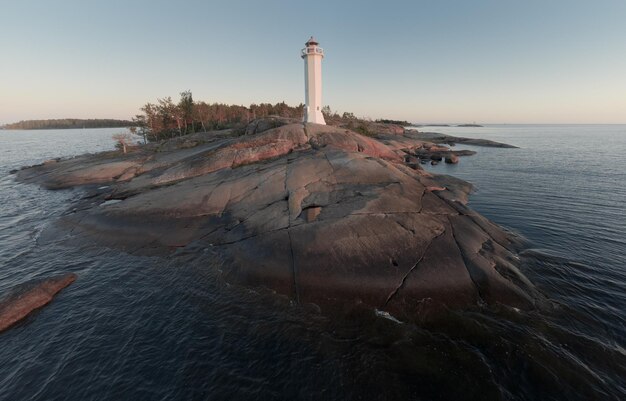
(436, 137)
(30, 296)
(319, 213)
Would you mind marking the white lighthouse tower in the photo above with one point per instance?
(313, 55)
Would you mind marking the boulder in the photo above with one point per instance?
(411, 159)
(436, 157)
(452, 159)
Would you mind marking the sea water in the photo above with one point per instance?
(147, 328)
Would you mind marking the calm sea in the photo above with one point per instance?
(138, 328)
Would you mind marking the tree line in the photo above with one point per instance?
(166, 118)
(68, 123)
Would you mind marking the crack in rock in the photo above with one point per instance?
(395, 291)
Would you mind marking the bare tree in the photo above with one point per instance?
(186, 108)
(124, 140)
(202, 113)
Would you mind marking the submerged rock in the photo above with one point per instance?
(319, 213)
(30, 296)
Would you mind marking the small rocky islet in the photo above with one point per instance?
(30, 296)
(319, 213)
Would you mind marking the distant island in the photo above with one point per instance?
(446, 125)
(67, 123)
(397, 122)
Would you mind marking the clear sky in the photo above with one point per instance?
(486, 61)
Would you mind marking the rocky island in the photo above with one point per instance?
(319, 213)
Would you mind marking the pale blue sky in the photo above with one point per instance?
(489, 61)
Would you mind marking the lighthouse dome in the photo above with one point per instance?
(312, 41)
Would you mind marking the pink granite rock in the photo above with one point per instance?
(319, 213)
(30, 296)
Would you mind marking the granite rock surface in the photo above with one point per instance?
(30, 296)
(321, 214)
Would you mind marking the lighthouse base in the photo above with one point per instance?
(313, 116)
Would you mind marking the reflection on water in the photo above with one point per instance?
(170, 328)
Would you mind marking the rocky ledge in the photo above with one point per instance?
(436, 137)
(319, 213)
(30, 296)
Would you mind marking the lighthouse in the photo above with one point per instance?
(313, 55)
